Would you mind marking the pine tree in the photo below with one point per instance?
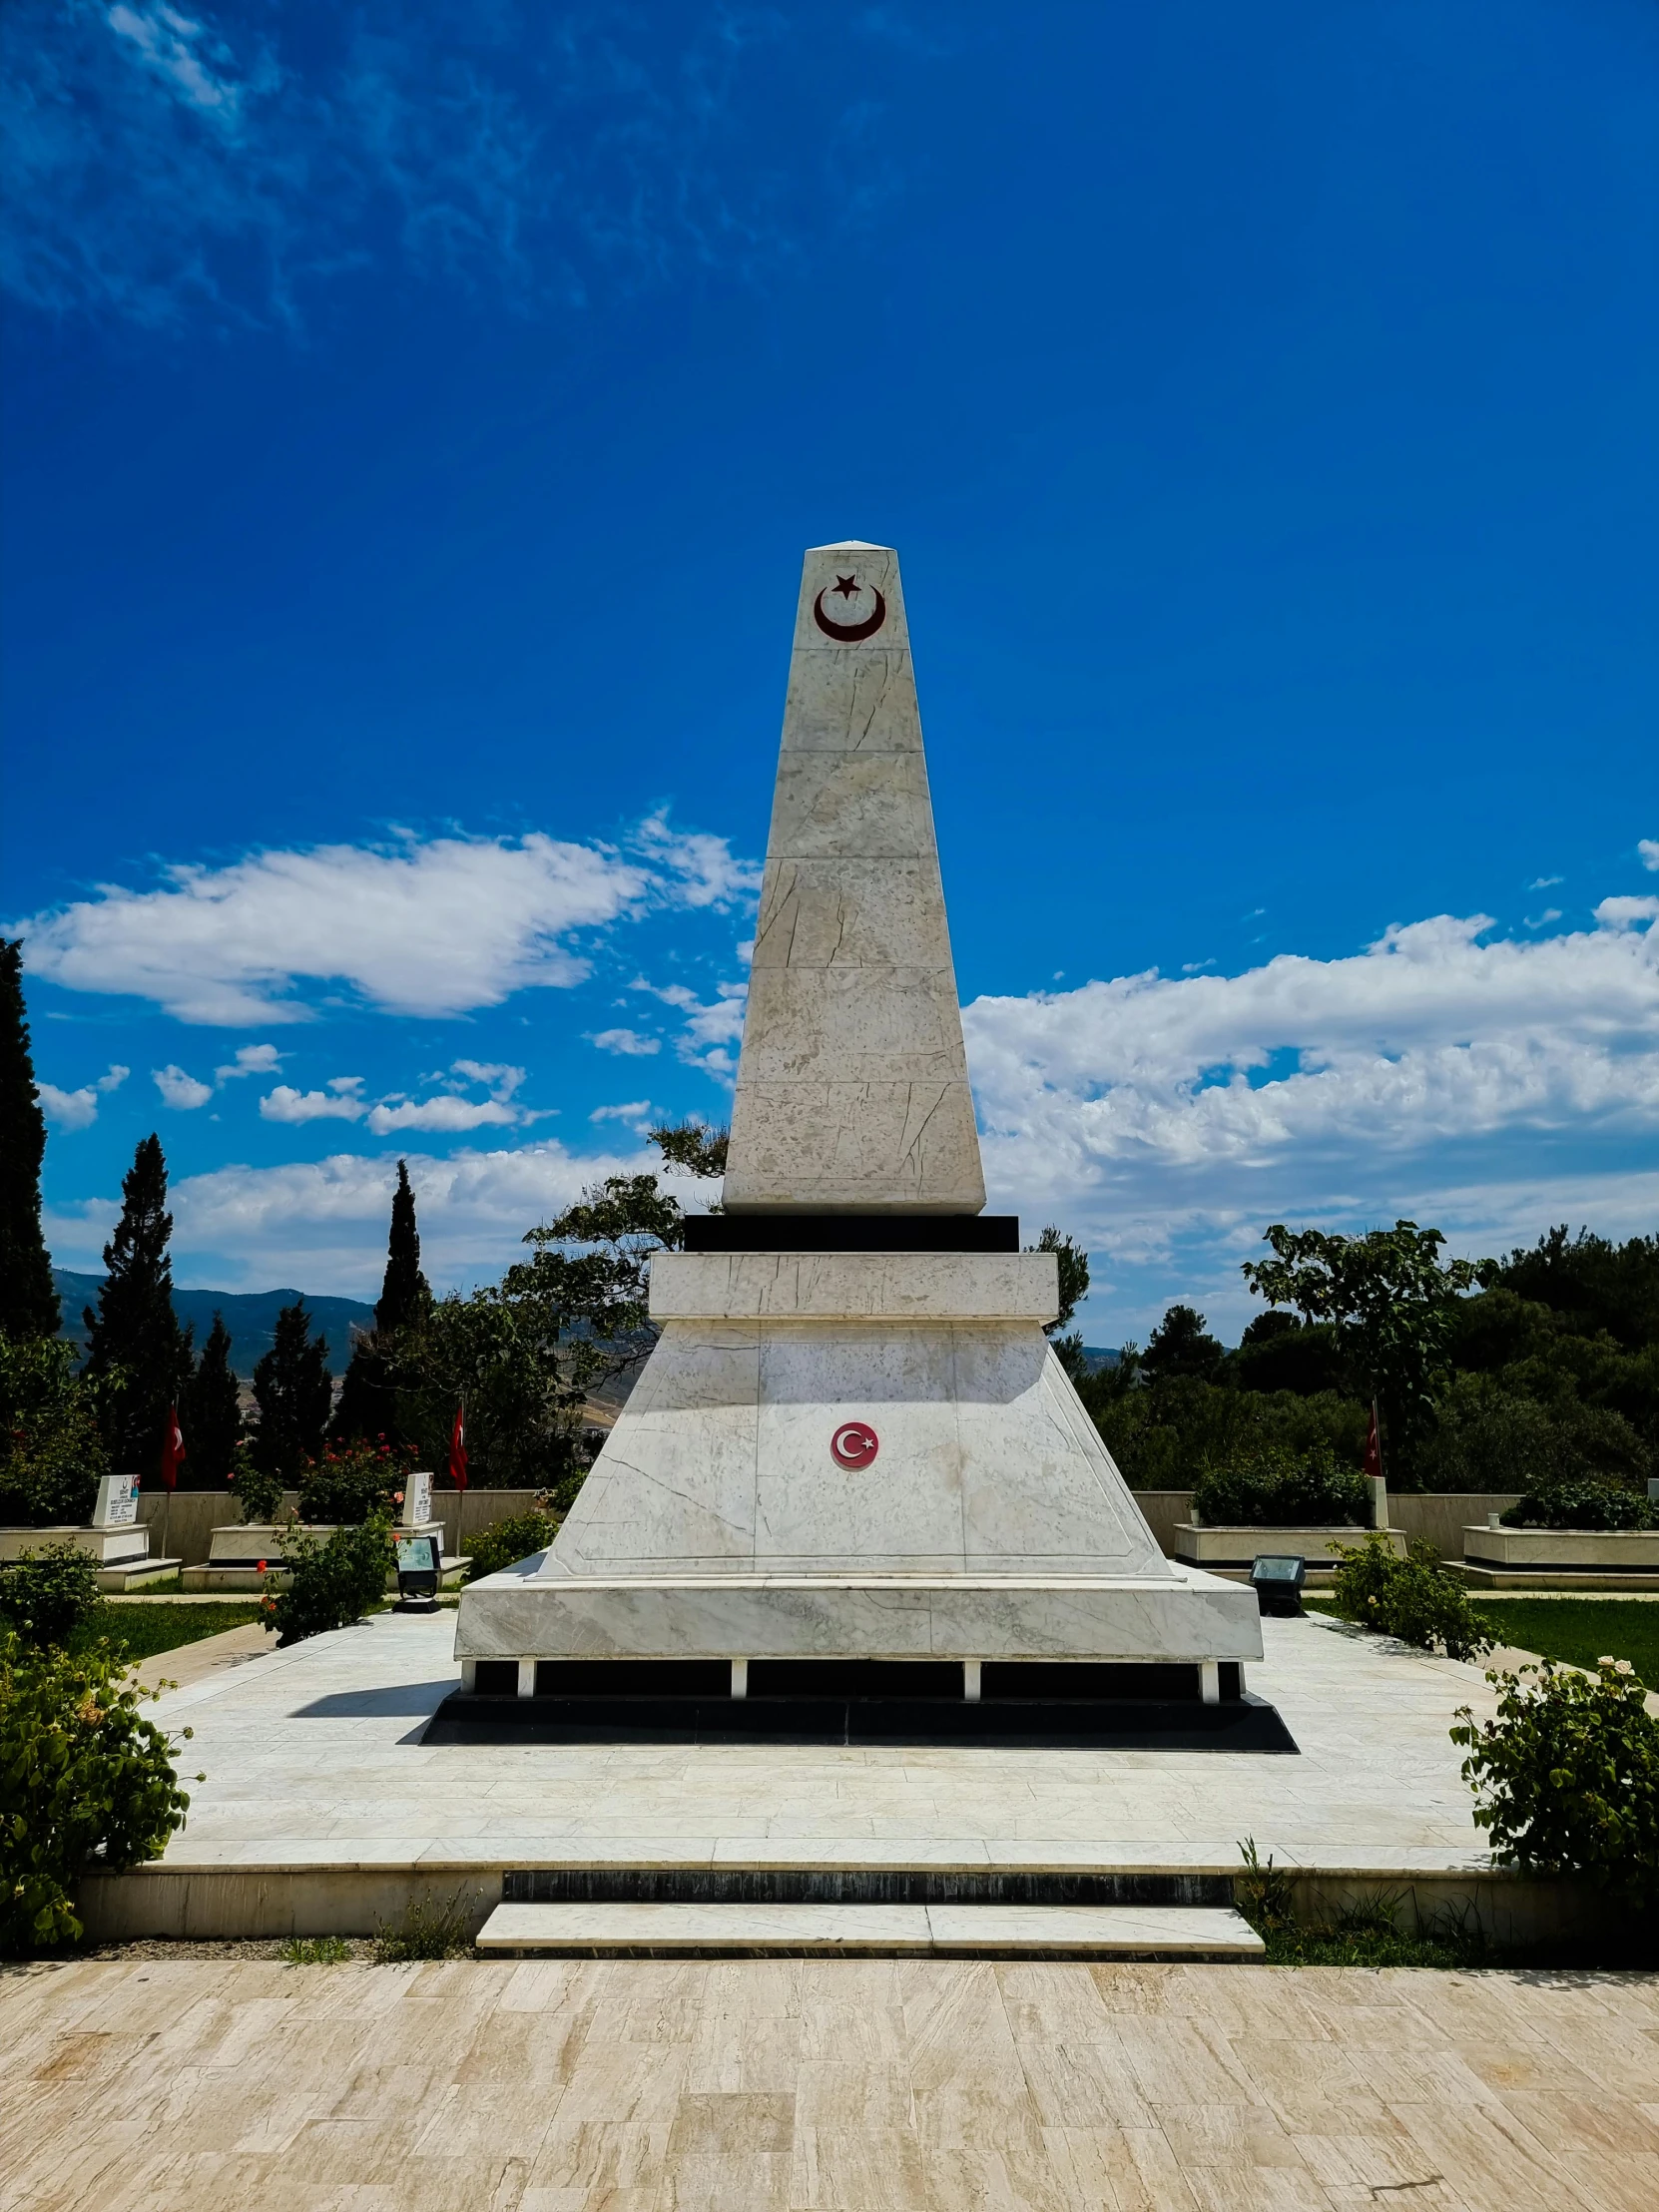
(293, 1388)
(28, 1303)
(368, 1395)
(212, 1413)
(134, 1332)
(405, 1296)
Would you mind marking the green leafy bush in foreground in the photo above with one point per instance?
(1412, 1598)
(1272, 1488)
(507, 1541)
(49, 1592)
(332, 1584)
(86, 1785)
(1567, 1773)
(1586, 1504)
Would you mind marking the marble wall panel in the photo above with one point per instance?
(675, 1482)
(907, 1506)
(873, 568)
(856, 805)
(1203, 1618)
(807, 1146)
(858, 912)
(855, 1286)
(846, 1024)
(1038, 1495)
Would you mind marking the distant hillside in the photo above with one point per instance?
(250, 1315)
(1095, 1356)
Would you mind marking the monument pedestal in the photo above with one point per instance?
(115, 1539)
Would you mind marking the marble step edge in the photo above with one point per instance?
(1049, 1930)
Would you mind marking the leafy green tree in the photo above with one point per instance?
(1392, 1302)
(368, 1398)
(1279, 1352)
(211, 1414)
(1181, 1345)
(28, 1303)
(292, 1389)
(134, 1335)
(1073, 1264)
(1590, 1284)
(692, 1146)
(499, 1351)
(52, 1448)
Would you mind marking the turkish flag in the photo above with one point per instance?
(457, 1449)
(173, 1448)
(1372, 1462)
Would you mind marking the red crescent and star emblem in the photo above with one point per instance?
(855, 1445)
(849, 633)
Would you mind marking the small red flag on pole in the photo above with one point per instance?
(458, 1448)
(173, 1448)
(1372, 1464)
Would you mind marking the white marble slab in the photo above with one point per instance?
(1039, 1931)
(855, 1286)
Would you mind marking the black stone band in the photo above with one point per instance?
(781, 1232)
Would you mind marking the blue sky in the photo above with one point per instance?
(413, 418)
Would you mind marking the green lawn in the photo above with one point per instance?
(1578, 1630)
(140, 1631)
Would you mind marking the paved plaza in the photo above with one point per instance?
(197, 2085)
(312, 1756)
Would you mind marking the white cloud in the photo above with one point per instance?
(1648, 847)
(1546, 883)
(183, 55)
(671, 994)
(434, 928)
(1161, 1117)
(322, 1223)
(446, 1112)
(285, 1103)
(711, 1030)
(251, 1059)
(634, 1112)
(78, 1109)
(1543, 920)
(1625, 914)
(498, 1078)
(630, 1042)
(179, 1089)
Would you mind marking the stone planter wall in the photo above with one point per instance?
(1206, 1546)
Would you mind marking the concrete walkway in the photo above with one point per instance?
(189, 2085)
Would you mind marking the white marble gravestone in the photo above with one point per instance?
(863, 1453)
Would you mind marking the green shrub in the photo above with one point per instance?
(315, 1950)
(52, 1449)
(332, 1584)
(49, 1592)
(427, 1930)
(258, 1492)
(353, 1482)
(1269, 1486)
(1414, 1598)
(506, 1542)
(1567, 1773)
(1581, 1504)
(86, 1783)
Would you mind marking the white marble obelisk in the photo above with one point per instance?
(852, 1440)
(853, 1091)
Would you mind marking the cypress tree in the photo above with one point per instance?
(134, 1330)
(294, 1390)
(405, 1296)
(368, 1395)
(212, 1413)
(28, 1303)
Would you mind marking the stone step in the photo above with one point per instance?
(995, 1930)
